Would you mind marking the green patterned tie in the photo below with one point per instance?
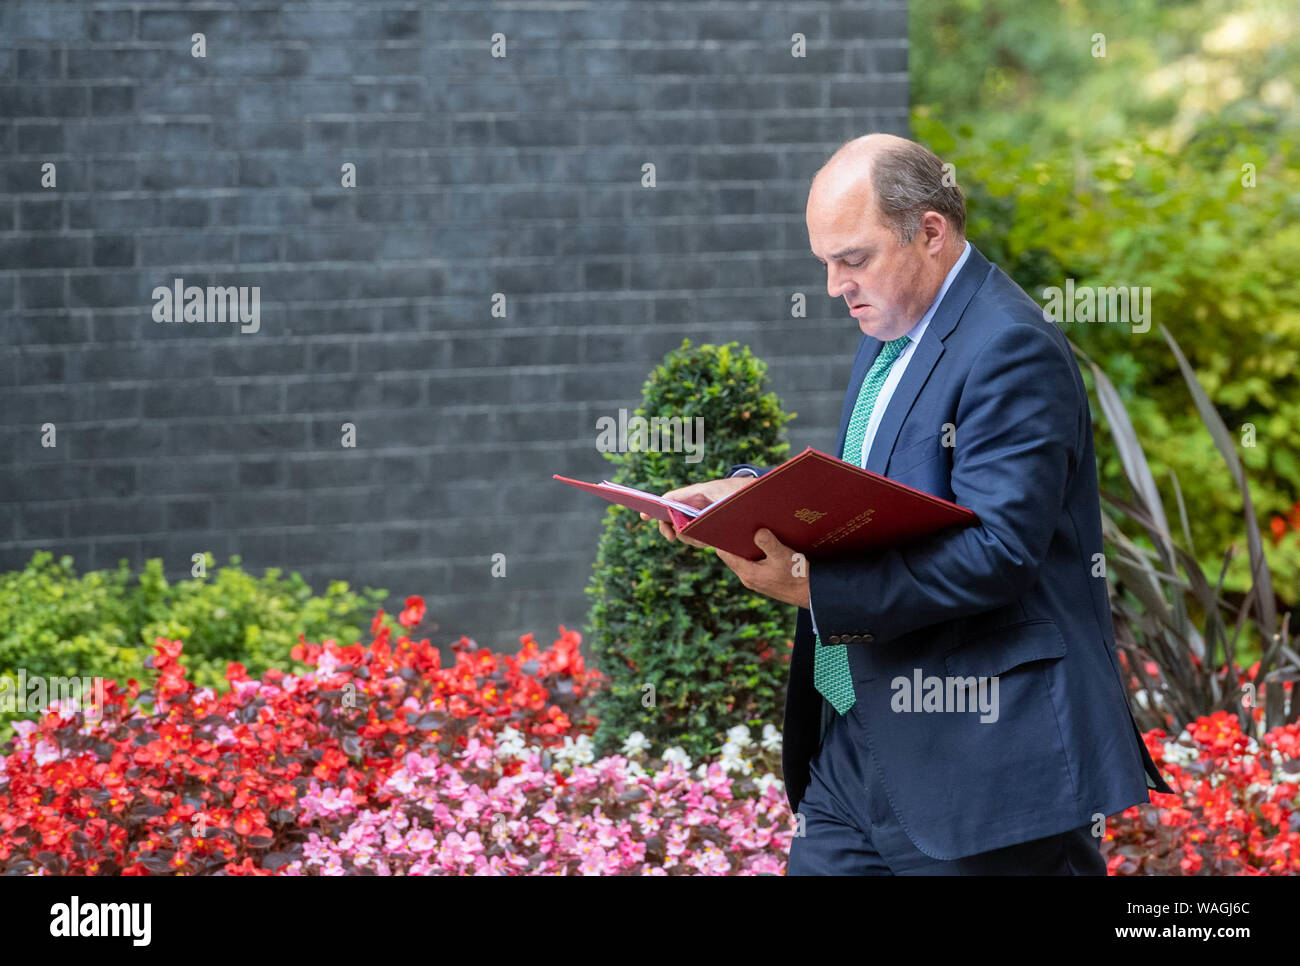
(831, 674)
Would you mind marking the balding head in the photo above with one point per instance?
(887, 227)
(902, 178)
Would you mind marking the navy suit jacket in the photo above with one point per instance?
(991, 413)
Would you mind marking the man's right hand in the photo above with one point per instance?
(700, 495)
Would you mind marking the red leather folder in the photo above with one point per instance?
(816, 504)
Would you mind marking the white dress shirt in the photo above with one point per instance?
(900, 363)
(896, 374)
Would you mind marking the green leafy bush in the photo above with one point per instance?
(103, 623)
(1214, 245)
(674, 616)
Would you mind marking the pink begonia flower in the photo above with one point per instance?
(456, 787)
(332, 801)
(469, 811)
(607, 837)
(326, 663)
(632, 852)
(421, 841)
(45, 752)
(593, 862)
(401, 782)
(477, 753)
(459, 849)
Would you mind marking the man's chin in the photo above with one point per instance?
(878, 328)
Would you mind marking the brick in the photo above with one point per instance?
(112, 24)
(475, 176)
(40, 63)
(28, 100)
(41, 214)
(179, 25)
(44, 21)
(112, 174)
(113, 249)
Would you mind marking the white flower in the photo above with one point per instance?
(739, 735)
(731, 759)
(771, 738)
(634, 770)
(578, 752)
(675, 754)
(510, 744)
(766, 781)
(1181, 754)
(635, 742)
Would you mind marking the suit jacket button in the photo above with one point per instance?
(834, 638)
(867, 638)
(855, 639)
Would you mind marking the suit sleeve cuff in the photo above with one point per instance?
(845, 623)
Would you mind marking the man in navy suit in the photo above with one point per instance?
(955, 705)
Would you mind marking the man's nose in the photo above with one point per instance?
(838, 283)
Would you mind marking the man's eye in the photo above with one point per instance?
(856, 264)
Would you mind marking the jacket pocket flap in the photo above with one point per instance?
(1006, 647)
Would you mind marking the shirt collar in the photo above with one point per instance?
(919, 329)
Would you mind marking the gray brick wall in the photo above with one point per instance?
(475, 175)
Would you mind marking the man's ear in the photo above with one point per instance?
(937, 231)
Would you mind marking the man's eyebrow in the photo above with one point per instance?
(837, 255)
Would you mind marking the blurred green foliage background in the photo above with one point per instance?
(1144, 143)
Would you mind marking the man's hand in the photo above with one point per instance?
(772, 576)
(700, 495)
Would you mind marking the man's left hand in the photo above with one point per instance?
(772, 576)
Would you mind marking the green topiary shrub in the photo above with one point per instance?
(104, 623)
(674, 616)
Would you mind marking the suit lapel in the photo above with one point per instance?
(925, 356)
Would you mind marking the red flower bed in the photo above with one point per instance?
(1235, 811)
(377, 758)
(206, 783)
